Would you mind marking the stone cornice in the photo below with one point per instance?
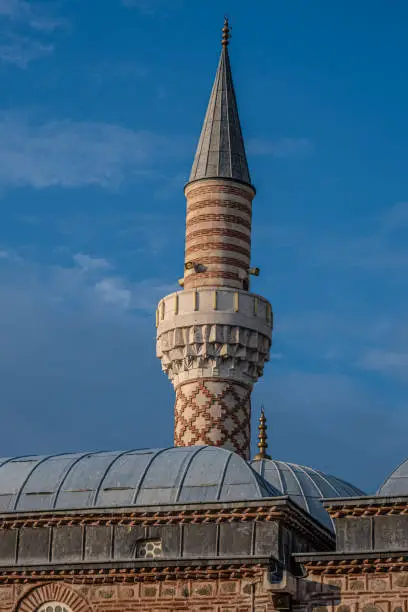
(280, 509)
(366, 506)
(352, 563)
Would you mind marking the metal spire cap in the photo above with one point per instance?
(221, 150)
(263, 438)
(226, 33)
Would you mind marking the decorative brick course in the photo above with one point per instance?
(215, 278)
(214, 259)
(217, 217)
(208, 595)
(217, 231)
(217, 203)
(217, 246)
(52, 592)
(213, 186)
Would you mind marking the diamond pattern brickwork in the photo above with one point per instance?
(215, 412)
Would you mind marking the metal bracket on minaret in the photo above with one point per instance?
(223, 330)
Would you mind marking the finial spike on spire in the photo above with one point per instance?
(226, 33)
(262, 437)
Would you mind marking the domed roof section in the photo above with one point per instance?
(305, 486)
(130, 478)
(396, 483)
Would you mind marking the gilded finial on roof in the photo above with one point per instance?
(226, 33)
(262, 437)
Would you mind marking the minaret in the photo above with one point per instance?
(213, 336)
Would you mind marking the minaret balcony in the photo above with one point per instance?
(214, 332)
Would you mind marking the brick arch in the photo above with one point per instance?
(30, 602)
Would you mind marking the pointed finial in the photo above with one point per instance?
(226, 33)
(262, 437)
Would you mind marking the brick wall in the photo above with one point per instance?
(376, 592)
(195, 596)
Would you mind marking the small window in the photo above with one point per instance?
(149, 549)
(54, 607)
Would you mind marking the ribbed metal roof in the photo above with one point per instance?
(305, 486)
(221, 151)
(129, 478)
(396, 483)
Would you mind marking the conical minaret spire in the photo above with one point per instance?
(213, 337)
(221, 150)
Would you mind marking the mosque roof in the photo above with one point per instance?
(129, 478)
(396, 483)
(306, 486)
(221, 151)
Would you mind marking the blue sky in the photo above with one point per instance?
(100, 112)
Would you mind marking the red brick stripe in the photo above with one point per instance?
(206, 217)
(202, 379)
(211, 274)
(219, 246)
(230, 261)
(215, 231)
(193, 206)
(195, 192)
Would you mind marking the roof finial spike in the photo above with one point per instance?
(226, 33)
(262, 437)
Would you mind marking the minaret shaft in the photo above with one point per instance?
(218, 233)
(213, 337)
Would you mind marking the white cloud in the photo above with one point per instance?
(112, 291)
(88, 284)
(385, 361)
(86, 262)
(285, 147)
(151, 7)
(24, 31)
(72, 154)
(21, 50)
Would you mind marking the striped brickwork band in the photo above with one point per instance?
(218, 233)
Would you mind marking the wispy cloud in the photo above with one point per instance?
(72, 154)
(85, 282)
(25, 29)
(151, 7)
(87, 262)
(346, 265)
(113, 291)
(74, 343)
(385, 361)
(285, 147)
(379, 247)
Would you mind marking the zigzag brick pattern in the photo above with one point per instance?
(215, 412)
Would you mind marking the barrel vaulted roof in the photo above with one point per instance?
(130, 478)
